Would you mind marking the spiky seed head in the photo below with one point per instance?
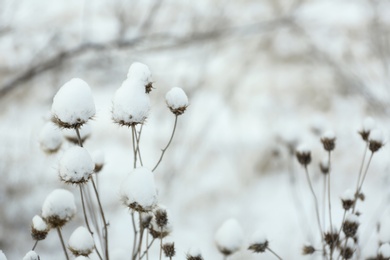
(169, 249)
(259, 247)
(39, 228)
(351, 225)
(308, 250)
(376, 140)
(303, 155)
(329, 141)
(161, 217)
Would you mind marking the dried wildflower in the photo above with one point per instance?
(328, 141)
(351, 225)
(161, 217)
(39, 228)
(303, 155)
(348, 199)
(229, 237)
(81, 242)
(308, 250)
(331, 238)
(324, 166)
(194, 255)
(146, 219)
(177, 101)
(258, 243)
(58, 208)
(169, 249)
(368, 126)
(76, 166)
(376, 140)
(160, 226)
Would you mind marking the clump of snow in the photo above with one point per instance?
(352, 218)
(98, 157)
(377, 136)
(384, 250)
(303, 149)
(31, 256)
(177, 100)
(368, 125)
(140, 72)
(348, 195)
(71, 135)
(76, 165)
(59, 207)
(258, 238)
(131, 105)
(194, 252)
(73, 104)
(39, 224)
(229, 237)
(81, 242)
(329, 134)
(138, 191)
(2, 256)
(50, 138)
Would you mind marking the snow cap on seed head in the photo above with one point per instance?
(138, 191)
(303, 154)
(81, 242)
(376, 140)
(229, 237)
(58, 208)
(384, 251)
(324, 165)
(177, 100)
(76, 165)
(161, 225)
(50, 138)
(139, 72)
(73, 104)
(98, 159)
(31, 256)
(348, 199)
(368, 125)
(39, 228)
(2, 256)
(328, 140)
(259, 242)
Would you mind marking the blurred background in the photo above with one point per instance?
(261, 76)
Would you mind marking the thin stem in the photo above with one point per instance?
(316, 205)
(135, 235)
(330, 205)
(134, 146)
(79, 137)
(147, 248)
(275, 254)
(84, 211)
(138, 137)
(140, 237)
(35, 245)
(324, 200)
(166, 147)
(161, 242)
(92, 212)
(103, 218)
(62, 243)
(361, 183)
(361, 167)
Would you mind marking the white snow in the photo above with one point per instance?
(258, 238)
(31, 256)
(169, 226)
(384, 231)
(59, 203)
(131, 104)
(376, 135)
(98, 157)
(85, 131)
(140, 72)
(39, 224)
(348, 195)
(368, 124)
(303, 149)
(176, 98)
(81, 241)
(80, 257)
(194, 251)
(350, 243)
(73, 103)
(76, 165)
(329, 134)
(2, 256)
(352, 218)
(50, 137)
(229, 236)
(139, 187)
(384, 250)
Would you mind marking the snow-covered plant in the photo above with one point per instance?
(229, 237)
(194, 254)
(177, 100)
(39, 228)
(81, 242)
(58, 208)
(50, 138)
(32, 255)
(260, 244)
(76, 166)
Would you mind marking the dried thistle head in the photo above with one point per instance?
(324, 166)
(348, 199)
(368, 126)
(376, 140)
(161, 217)
(329, 141)
(348, 250)
(303, 155)
(39, 228)
(148, 87)
(169, 249)
(331, 238)
(308, 250)
(351, 225)
(177, 101)
(259, 247)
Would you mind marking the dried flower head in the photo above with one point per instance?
(308, 250)
(376, 140)
(258, 243)
(229, 237)
(328, 140)
(58, 208)
(169, 249)
(351, 225)
(332, 238)
(39, 228)
(73, 104)
(160, 225)
(194, 254)
(146, 219)
(139, 72)
(81, 242)
(303, 154)
(324, 166)
(98, 159)
(161, 217)
(368, 126)
(50, 138)
(177, 101)
(348, 199)
(348, 250)
(76, 166)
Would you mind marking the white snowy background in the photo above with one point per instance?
(258, 74)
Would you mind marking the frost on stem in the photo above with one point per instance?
(229, 237)
(303, 154)
(367, 127)
(81, 242)
(140, 72)
(71, 135)
(177, 101)
(73, 104)
(138, 191)
(50, 138)
(131, 105)
(376, 140)
(2, 256)
(39, 228)
(58, 208)
(31, 256)
(76, 165)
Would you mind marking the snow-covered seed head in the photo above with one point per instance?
(138, 191)
(31, 256)
(348, 250)
(2, 256)
(98, 159)
(169, 249)
(71, 135)
(229, 237)
(324, 166)
(161, 216)
(140, 72)
(58, 208)
(50, 138)
(351, 225)
(194, 254)
(39, 228)
(73, 104)
(348, 199)
(76, 165)
(384, 251)
(130, 105)
(146, 219)
(368, 126)
(376, 140)
(259, 243)
(81, 242)
(303, 154)
(308, 250)
(177, 101)
(331, 237)
(328, 140)
(160, 225)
